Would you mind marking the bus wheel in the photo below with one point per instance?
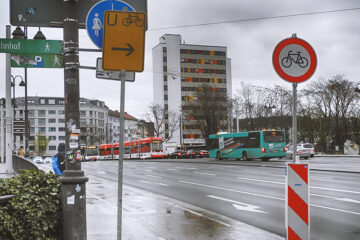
(265, 159)
(244, 156)
(218, 156)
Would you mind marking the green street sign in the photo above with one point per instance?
(37, 61)
(19, 46)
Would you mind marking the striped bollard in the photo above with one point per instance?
(297, 210)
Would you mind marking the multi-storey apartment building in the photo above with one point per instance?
(47, 118)
(130, 127)
(179, 70)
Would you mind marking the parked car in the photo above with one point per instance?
(47, 160)
(203, 153)
(177, 154)
(38, 159)
(310, 147)
(190, 154)
(301, 151)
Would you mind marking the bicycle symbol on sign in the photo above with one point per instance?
(133, 19)
(296, 58)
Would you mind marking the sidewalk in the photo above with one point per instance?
(149, 216)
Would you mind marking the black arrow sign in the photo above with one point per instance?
(130, 49)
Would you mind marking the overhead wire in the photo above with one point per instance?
(255, 19)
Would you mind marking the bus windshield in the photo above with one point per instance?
(273, 136)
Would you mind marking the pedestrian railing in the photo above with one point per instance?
(20, 163)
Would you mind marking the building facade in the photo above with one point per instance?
(130, 127)
(47, 119)
(179, 70)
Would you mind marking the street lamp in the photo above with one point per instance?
(2, 103)
(13, 83)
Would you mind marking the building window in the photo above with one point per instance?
(165, 68)
(61, 138)
(51, 120)
(52, 129)
(32, 130)
(42, 130)
(165, 78)
(61, 129)
(51, 101)
(165, 87)
(41, 112)
(165, 97)
(52, 138)
(61, 112)
(52, 148)
(164, 59)
(61, 120)
(62, 102)
(41, 121)
(52, 112)
(32, 121)
(82, 113)
(42, 101)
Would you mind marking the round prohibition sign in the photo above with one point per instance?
(294, 60)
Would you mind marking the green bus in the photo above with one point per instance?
(263, 145)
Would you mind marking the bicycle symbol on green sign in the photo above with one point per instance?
(133, 19)
(299, 60)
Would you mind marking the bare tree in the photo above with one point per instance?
(166, 122)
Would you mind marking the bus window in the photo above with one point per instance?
(273, 136)
(253, 140)
(213, 143)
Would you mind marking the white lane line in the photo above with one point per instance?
(187, 168)
(260, 195)
(232, 190)
(239, 205)
(201, 215)
(259, 180)
(204, 173)
(153, 176)
(336, 190)
(161, 184)
(323, 188)
(171, 169)
(335, 209)
(339, 199)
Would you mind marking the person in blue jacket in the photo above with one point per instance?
(58, 160)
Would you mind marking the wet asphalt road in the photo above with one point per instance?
(252, 192)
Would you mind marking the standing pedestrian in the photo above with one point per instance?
(58, 160)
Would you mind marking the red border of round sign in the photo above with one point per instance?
(309, 49)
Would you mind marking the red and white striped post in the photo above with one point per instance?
(297, 208)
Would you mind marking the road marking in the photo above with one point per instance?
(147, 170)
(147, 182)
(239, 205)
(259, 180)
(339, 199)
(231, 190)
(323, 188)
(153, 176)
(187, 168)
(203, 173)
(201, 215)
(170, 169)
(335, 209)
(101, 172)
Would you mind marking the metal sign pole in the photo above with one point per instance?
(121, 152)
(294, 122)
(8, 119)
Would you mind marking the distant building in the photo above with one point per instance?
(47, 118)
(130, 127)
(179, 69)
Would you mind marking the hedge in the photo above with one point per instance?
(35, 212)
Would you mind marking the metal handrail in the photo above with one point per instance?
(20, 163)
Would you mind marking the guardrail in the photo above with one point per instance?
(22, 163)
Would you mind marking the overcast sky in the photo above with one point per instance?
(334, 36)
